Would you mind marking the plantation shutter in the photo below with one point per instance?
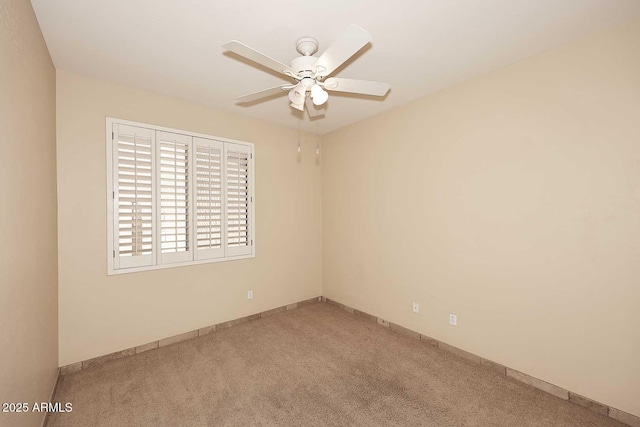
(133, 149)
(208, 198)
(176, 198)
(173, 182)
(239, 199)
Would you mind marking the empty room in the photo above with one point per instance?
(304, 213)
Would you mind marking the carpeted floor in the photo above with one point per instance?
(317, 365)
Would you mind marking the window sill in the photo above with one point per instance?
(113, 272)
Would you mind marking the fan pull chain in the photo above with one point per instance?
(317, 143)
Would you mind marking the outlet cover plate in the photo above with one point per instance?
(453, 319)
(250, 295)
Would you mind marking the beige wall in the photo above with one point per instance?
(100, 314)
(513, 201)
(28, 263)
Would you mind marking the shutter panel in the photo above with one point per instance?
(173, 182)
(238, 197)
(133, 149)
(208, 198)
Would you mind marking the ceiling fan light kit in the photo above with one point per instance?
(308, 72)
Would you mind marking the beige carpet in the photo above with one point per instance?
(316, 365)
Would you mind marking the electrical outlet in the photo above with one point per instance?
(416, 307)
(250, 295)
(453, 319)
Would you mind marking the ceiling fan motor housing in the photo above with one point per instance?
(303, 64)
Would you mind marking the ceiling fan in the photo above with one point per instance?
(308, 72)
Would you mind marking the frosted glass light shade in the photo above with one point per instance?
(318, 95)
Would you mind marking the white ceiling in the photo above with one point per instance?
(174, 47)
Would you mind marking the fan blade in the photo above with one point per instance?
(312, 110)
(354, 39)
(255, 56)
(278, 90)
(363, 87)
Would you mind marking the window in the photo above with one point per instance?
(176, 198)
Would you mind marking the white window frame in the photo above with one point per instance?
(228, 253)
